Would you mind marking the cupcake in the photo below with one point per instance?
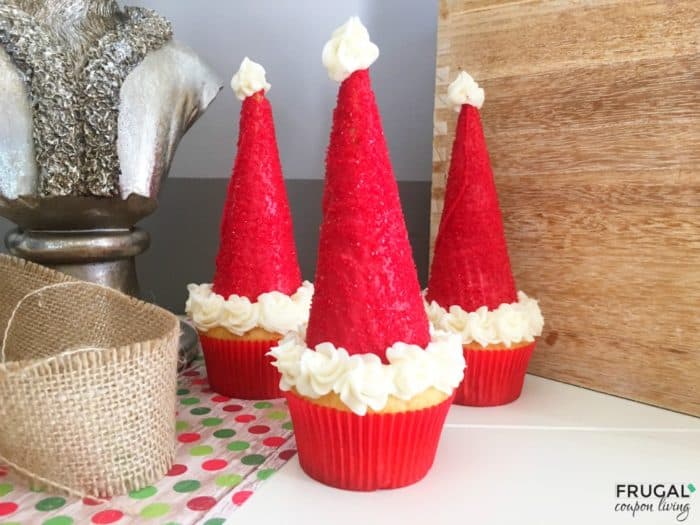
(368, 384)
(257, 295)
(471, 290)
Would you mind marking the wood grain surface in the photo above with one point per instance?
(592, 117)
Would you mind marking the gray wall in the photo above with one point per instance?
(287, 38)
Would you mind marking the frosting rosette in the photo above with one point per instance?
(465, 90)
(349, 50)
(363, 381)
(249, 79)
(273, 311)
(508, 324)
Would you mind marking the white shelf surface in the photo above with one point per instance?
(554, 456)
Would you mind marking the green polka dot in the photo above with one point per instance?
(172, 523)
(5, 489)
(143, 493)
(201, 450)
(200, 411)
(215, 521)
(11, 523)
(187, 485)
(154, 510)
(212, 421)
(235, 446)
(229, 480)
(190, 401)
(59, 520)
(265, 473)
(253, 459)
(48, 504)
(224, 433)
(263, 404)
(288, 425)
(182, 391)
(37, 489)
(276, 414)
(181, 426)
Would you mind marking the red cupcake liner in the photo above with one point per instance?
(240, 369)
(371, 452)
(493, 377)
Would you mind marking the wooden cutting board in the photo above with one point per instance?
(592, 117)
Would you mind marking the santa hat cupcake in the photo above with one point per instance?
(368, 385)
(257, 295)
(471, 290)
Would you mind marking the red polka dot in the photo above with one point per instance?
(107, 516)
(245, 418)
(8, 508)
(201, 503)
(220, 399)
(233, 408)
(3, 471)
(259, 429)
(274, 441)
(200, 382)
(189, 437)
(91, 502)
(287, 454)
(191, 373)
(214, 464)
(177, 469)
(239, 498)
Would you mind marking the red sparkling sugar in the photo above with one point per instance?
(470, 266)
(201, 503)
(257, 253)
(240, 497)
(367, 295)
(106, 517)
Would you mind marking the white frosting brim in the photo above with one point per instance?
(273, 311)
(508, 324)
(362, 381)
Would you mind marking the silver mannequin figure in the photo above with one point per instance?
(93, 102)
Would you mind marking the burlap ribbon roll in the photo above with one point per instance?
(87, 383)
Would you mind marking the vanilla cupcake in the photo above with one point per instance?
(257, 295)
(471, 291)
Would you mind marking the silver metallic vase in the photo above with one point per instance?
(94, 101)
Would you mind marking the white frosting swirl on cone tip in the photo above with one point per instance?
(348, 50)
(273, 311)
(465, 90)
(249, 79)
(508, 324)
(362, 381)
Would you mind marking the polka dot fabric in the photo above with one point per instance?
(226, 449)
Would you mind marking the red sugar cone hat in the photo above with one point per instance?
(470, 265)
(257, 253)
(367, 294)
